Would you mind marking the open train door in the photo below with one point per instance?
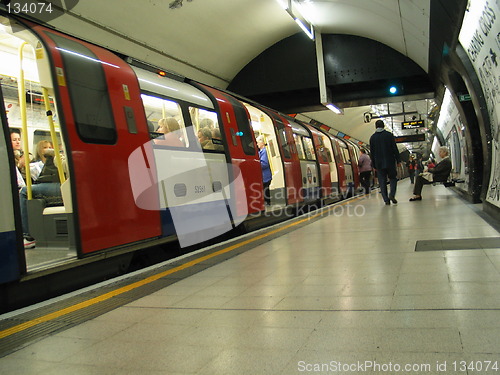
(103, 122)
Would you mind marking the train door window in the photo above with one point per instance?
(165, 121)
(242, 121)
(206, 128)
(88, 89)
(309, 148)
(300, 147)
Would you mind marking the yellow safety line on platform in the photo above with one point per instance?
(21, 327)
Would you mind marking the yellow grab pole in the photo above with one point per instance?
(53, 135)
(24, 121)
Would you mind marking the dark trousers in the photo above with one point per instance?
(364, 178)
(267, 196)
(419, 184)
(412, 175)
(383, 174)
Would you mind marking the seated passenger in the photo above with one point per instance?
(48, 188)
(439, 173)
(37, 164)
(205, 138)
(206, 123)
(173, 136)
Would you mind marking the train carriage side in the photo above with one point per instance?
(346, 157)
(242, 151)
(323, 162)
(192, 179)
(344, 172)
(309, 167)
(354, 156)
(336, 165)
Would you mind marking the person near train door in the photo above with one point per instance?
(266, 169)
(365, 171)
(385, 156)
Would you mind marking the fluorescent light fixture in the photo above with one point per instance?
(334, 108)
(309, 33)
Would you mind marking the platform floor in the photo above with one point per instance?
(346, 293)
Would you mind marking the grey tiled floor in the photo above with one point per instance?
(348, 289)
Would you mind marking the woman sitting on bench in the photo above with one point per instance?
(439, 173)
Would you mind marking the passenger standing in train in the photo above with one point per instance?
(385, 157)
(412, 166)
(266, 169)
(365, 170)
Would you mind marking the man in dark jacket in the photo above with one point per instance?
(439, 173)
(385, 156)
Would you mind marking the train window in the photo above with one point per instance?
(300, 147)
(207, 129)
(309, 148)
(88, 90)
(165, 121)
(282, 139)
(345, 154)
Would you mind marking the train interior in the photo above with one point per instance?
(24, 67)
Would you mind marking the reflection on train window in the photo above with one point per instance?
(165, 122)
(88, 90)
(300, 148)
(345, 155)
(309, 148)
(206, 128)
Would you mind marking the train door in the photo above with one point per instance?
(243, 153)
(102, 117)
(10, 240)
(339, 159)
(262, 125)
(42, 204)
(354, 156)
(308, 165)
(324, 164)
(332, 163)
(346, 157)
(291, 162)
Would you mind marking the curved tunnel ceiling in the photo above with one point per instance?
(212, 41)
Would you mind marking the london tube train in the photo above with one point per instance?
(123, 186)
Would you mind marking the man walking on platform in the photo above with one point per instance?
(385, 156)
